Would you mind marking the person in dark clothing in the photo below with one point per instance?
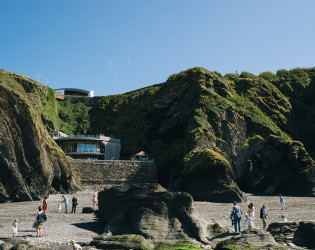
(263, 216)
(74, 204)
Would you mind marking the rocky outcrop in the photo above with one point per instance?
(214, 136)
(291, 233)
(258, 238)
(304, 235)
(131, 241)
(149, 210)
(250, 238)
(31, 163)
(283, 232)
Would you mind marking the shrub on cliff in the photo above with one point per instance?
(246, 74)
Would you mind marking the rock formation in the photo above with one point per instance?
(215, 136)
(31, 163)
(130, 241)
(292, 233)
(149, 210)
(304, 235)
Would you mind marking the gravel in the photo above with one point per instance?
(298, 209)
(61, 228)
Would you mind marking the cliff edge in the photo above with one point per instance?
(31, 164)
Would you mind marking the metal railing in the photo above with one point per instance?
(147, 163)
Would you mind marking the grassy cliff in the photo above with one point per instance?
(210, 135)
(31, 163)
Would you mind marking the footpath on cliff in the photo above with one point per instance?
(61, 228)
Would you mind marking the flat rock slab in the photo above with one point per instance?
(258, 237)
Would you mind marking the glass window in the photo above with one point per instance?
(69, 147)
(89, 148)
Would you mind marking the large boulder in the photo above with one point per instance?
(250, 238)
(283, 232)
(151, 211)
(127, 241)
(31, 164)
(304, 235)
(258, 237)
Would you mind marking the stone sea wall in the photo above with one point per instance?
(111, 173)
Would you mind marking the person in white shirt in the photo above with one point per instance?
(284, 219)
(249, 221)
(65, 200)
(75, 245)
(15, 227)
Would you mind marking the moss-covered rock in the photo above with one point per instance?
(31, 163)
(126, 241)
(210, 134)
(178, 246)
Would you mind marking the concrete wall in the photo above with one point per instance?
(114, 173)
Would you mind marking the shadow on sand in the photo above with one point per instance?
(96, 226)
(226, 236)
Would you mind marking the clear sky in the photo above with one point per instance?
(114, 46)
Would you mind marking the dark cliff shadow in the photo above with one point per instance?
(96, 226)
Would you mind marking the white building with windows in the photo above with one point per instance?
(88, 147)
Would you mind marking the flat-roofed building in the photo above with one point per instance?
(88, 147)
(60, 93)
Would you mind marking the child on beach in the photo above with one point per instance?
(75, 245)
(249, 221)
(15, 227)
(283, 219)
(94, 200)
(59, 206)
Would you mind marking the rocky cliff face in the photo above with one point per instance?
(214, 136)
(31, 164)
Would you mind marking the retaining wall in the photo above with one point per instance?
(110, 173)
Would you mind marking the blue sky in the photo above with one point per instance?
(114, 46)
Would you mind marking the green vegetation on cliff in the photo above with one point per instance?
(209, 134)
(31, 163)
(206, 130)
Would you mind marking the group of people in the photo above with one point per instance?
(65, 201)
(41, 216)
(75, 203)
(236, 215)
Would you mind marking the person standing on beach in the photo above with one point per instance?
(45, 204)
(74, 204)
(263, 216)
(15, 227)
(65, 200)
(94, 200)
(251, 213)
(40, 218)
(237, 212)
(282, 202)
